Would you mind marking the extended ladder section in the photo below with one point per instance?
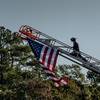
(84, 60)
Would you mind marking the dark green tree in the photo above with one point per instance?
(22, 77)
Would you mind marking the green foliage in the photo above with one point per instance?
(22, 78)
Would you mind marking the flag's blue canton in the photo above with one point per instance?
(36, 47)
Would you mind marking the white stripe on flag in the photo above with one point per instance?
(42, 53)
(64, 81)
(56, 84)
(47, 57)
(52, 60)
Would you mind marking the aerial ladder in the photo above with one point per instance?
(90, 62)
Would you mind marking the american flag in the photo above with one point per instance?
(47, 56)
(64, 80)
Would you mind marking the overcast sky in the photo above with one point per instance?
(61, 19)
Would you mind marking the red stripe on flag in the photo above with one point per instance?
(60, 81)
(44, 55)
(50, 57)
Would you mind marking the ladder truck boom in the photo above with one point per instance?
(90, 63)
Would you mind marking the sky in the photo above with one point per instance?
(61, 19)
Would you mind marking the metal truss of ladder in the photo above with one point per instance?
(85, 60)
